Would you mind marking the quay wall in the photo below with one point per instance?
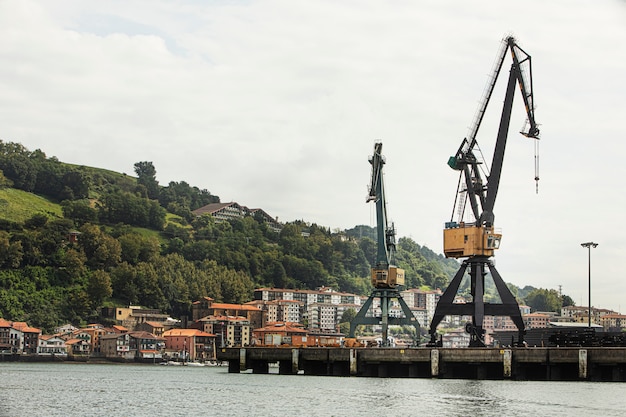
(535, 363)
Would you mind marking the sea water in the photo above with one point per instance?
(76, 389)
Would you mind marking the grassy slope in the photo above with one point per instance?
(17, 205)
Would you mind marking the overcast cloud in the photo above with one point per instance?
(277, 104)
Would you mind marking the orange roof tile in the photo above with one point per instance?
(234, 307)
(282, 327)
(73, 341)
(187, 333)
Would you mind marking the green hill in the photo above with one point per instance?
(18, 206)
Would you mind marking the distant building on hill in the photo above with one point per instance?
(232, 211)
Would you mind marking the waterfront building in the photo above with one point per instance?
(208, 307)
(280, 310)
(276, 334)
(95, 332)
(154, 327)
(130, 317)
(319, 309)
(18, 337)
(536, 320)
(613, 322)
(456, 339)
(190, 344)
(66, 328)
(138, 345)
(77, 347)
(580, 314)
(423, 299)
(51, 345)
(230, 331)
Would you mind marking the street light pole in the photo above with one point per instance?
(589, 245)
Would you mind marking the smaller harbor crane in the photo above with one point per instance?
(386, 278)
(477, 239)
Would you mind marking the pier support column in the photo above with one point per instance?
(507, 359)
(242, 360)
(353, 362)
(295, 356)
(582, 364)
(434, 362)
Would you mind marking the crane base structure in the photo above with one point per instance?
(478, 309)
(386, 295)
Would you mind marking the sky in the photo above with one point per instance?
(277, 105)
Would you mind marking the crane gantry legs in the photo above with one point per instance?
(477, 308)
(386, 295)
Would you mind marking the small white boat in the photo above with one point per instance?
(194, 364)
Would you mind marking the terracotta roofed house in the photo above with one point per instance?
(190, 344)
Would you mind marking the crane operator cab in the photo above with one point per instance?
(387, 278)
(464, 240)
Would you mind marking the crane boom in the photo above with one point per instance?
(480, 186)
(384, 274)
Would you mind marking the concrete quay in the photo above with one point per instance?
(535, 363)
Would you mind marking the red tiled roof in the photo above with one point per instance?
(203, 298)
(223, 318)
(73, 341)
(187, 333)
(282, 327)
(234, 307)
(212, 208)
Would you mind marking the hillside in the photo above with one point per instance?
(18, 206)
(138, 243)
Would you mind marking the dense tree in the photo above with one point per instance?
(11, 253)
(124, 207)
(4, 181)
(99, 288)
(80, 211)
(344, 323)
(102, 250)
(542, 299)
(146, 176)
(186, 196)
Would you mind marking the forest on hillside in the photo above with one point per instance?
(138, 243)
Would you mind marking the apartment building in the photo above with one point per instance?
(207, 306)
(229, 331)
(18, 337)
(232, 211)
(190, 344)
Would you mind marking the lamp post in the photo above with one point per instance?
(589, 245)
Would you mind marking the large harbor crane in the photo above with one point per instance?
(477, 239)
(386, 278)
